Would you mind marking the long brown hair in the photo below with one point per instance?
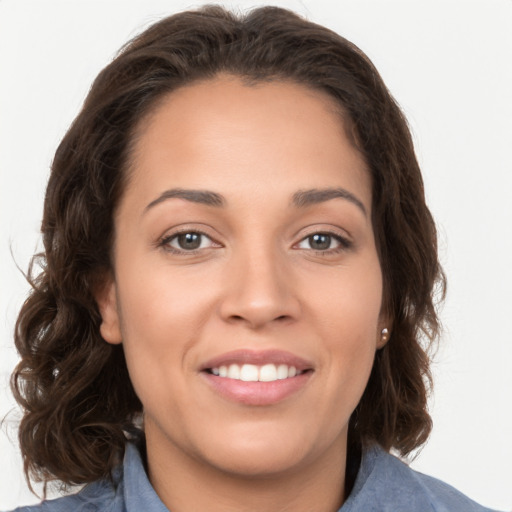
(78, 401)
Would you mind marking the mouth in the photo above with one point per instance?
(269, 372)
(257, 377)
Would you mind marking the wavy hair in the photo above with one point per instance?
(79, 404)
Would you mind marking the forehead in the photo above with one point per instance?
(227, 133)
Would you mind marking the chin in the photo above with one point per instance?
(258, 452)
(259, 464)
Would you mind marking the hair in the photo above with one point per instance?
(79, 404)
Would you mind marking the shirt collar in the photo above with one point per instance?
(139, 494)
(138, 491)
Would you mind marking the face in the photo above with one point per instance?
(247, 290)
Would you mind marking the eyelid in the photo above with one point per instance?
(327, 229)
(343, 238)
(164, 241)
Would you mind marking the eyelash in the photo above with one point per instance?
(344, 243)
(166, 240)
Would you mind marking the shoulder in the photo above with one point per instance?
(128, 487)
(385, 483)
(103, 495)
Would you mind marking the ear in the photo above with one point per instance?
(384, 331)
(106, 298)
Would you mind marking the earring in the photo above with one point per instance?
(384, 334)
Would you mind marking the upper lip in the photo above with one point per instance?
(258, 358)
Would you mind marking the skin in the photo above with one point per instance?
(256, 282)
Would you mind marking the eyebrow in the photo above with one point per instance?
(304, 198)
(301, 199)
(195, 196)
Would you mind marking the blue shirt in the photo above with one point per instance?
(383, 484)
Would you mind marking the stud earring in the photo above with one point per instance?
(384, 334)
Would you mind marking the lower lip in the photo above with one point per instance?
(257, 393)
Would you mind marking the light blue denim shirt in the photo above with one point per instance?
(383, 484)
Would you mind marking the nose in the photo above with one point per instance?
(259, 291)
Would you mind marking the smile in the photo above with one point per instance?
(257, 378)
(253, 373)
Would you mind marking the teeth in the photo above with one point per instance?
(268, 373)
(282, 371)
(234, 371)
(248, 372)
(252, 373)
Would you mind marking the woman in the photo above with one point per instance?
(240, 264)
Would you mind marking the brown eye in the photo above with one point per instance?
(324, 242)
(320, 241)
(188, 241)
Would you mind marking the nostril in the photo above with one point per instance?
(256, 309)
(251, 319)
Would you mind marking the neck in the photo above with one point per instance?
(185, 483)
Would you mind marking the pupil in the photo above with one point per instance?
(320, 241)
(189, 240)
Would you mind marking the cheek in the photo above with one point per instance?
(347, 317)
(348, 301)
(161, 321)
(161, 304)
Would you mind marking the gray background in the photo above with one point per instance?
(449, 65)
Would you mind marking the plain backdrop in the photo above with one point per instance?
(447, 62)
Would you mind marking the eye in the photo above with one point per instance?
(323, 242)
(187, 241)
